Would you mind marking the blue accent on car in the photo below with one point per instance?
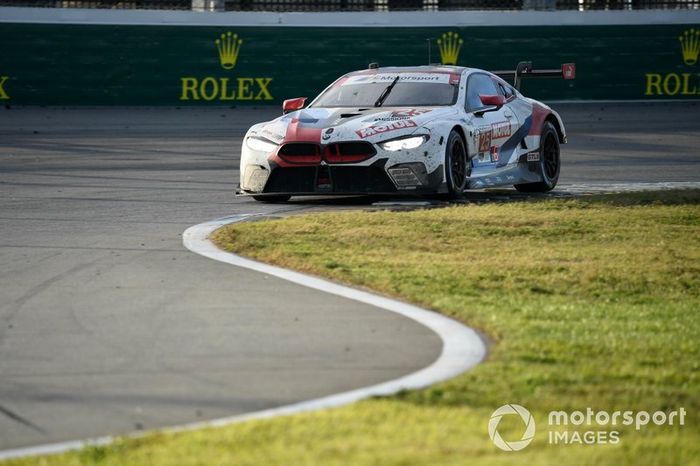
(511, 144)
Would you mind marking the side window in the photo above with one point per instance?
(505, 90)
(479, 84)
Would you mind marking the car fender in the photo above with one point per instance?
(440, 132)
(542, 112)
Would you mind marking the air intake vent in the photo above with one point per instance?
(349, 152)
(300, 153)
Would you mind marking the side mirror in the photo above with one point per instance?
(492, 100)
(491, 103)
(291, 105)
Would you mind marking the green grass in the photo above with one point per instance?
(587, 303)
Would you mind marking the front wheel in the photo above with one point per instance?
(278, 199)
(456, 165)
(550, 162)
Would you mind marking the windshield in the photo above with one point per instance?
(411, 89)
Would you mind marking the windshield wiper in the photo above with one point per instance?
(386, 92)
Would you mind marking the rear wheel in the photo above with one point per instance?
(456, 165)
(272, 199)
(550, 162)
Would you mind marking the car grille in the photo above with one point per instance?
(338, 153)
(300, 153)
(349, 152)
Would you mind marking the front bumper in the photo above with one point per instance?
(345, 179)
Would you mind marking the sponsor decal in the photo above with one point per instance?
(218, 88)
(391, 118)
(449, 44)
(327, 134)
(412, 77)
(533, 157)
(3, 92)
(495, 154)
(402, 114)
(441, 78)
(486, 134)
(484, 139)
(679, 84)
(384, 128)
(500, 129)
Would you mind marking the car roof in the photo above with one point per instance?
(412, 69)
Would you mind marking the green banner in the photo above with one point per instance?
(42, 64)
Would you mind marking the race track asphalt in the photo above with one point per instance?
(108, 325)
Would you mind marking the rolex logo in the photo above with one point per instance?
(3, 94)
(690, 45)
(228, 87)
(450, 44)
(229, 45)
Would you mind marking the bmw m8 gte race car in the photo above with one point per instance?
(412, 130)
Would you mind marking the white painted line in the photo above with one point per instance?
(462, 347)
(54, 448)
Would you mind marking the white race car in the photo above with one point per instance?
(410, 130)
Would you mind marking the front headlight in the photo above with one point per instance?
(410, 142)
(261, 145)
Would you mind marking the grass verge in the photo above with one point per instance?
(590, 302)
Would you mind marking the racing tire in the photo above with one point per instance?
(456, 165)
(272, 199)
(550, 162)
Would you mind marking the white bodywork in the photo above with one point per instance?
(496, 141)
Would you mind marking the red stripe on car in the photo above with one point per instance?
(296, 132)
(539, 114)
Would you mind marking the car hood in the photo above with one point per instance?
(329, 125)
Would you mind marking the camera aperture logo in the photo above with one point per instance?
(599, 427)
(527, 436)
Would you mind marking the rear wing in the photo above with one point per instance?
(525, 70)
